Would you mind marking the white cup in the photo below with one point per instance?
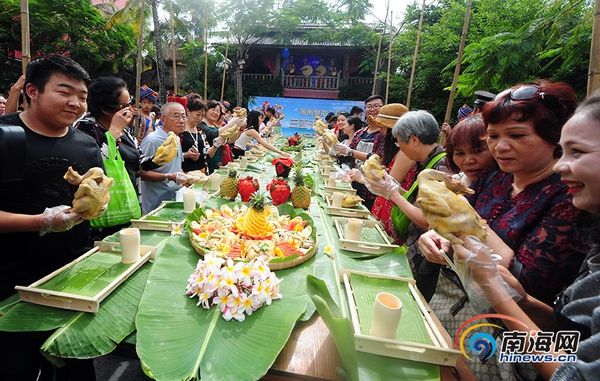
(331, 181)
(336, 199)
(214, 181)
(387, 310)
(130, 245)
(354, 228)
(189, 201)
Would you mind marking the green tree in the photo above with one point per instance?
(71, 27)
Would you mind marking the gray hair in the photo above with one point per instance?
(167, 106)
(419, 123)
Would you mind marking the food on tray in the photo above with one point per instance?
(301, 193)
(351, 200)
(230, 186)
(247, 187)
(244, 232)
(167, 151)
(197, 177)
(92, 193)
(446, 211)
(373, 169)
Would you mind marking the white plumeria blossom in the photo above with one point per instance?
(238, 288)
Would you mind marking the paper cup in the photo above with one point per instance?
(336, 199)
(214, 181)
(354, 228)
(189, 201)
(130, 245)
(387, 311)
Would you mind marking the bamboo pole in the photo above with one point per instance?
(138, 69)
(389, 63)
(415, 55)
(461, 48)
(205, 54)
(594, 66)
(25, 47)
(376, 71)
(224, 68)
(173, 49)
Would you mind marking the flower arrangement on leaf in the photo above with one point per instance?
(237, 288)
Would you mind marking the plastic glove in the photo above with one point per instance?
(332, 152)
(355, 175)
(342, 149)
(431, 243)
(58, 219)
(384, 187)
(181, 178)
(480, 276)
(218, 142)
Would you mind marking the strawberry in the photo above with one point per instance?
(247, 188)
(279, 190)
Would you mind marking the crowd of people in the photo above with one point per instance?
(530, 154)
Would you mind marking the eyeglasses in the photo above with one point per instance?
(178, 117)
(373, 107)
(122, 106)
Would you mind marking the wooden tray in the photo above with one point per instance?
(420, 335)
(51, 290)
(359, 211)
(373, 238)
(163, 217)
(327, 190)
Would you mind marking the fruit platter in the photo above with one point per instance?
(243, 232)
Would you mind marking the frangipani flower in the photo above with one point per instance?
(328, 250)
(176, 229)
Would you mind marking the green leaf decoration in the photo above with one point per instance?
(83, 334)
(177, 340)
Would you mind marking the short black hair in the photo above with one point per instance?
(355, 109)
(271, 110)
(38, 72)
(195, 104)
(104, 95)
(329, 116)
(373, 97)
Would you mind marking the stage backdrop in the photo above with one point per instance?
(300, 112)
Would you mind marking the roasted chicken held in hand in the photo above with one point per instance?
(373, 169)
(167, 151)
(93, 192)
(446, 210)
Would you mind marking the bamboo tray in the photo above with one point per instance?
(346, 188)
(420, 335)
(81, 286)
(162, 218)
(373, 238)
(359, 211)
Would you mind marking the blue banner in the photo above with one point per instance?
(300, 112)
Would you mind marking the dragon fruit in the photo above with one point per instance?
(279, 190)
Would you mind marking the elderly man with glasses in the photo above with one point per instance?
(161, 184)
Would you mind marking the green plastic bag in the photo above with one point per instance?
(399, 220)
(123, 205)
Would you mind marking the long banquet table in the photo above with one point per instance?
(309, 352)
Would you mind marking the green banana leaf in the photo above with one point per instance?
(177, 340)
(361, 365)
(82, 334)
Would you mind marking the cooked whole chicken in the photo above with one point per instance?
(93, 192)
(319, 126)
(230, 131)
(446, 210)
(167, 151)
(330, 138)
(239, 112)
(351, 200)
(372, 168)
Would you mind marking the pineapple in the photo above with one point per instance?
(229, 186)
(301, 193)
(256, 224)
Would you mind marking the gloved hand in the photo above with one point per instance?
(218, 142)
(430, 243)
(383, 187)
(58, 219)
(482, 280)
(331, 152)
(354, 175)
(181, 178)
(342, 149)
